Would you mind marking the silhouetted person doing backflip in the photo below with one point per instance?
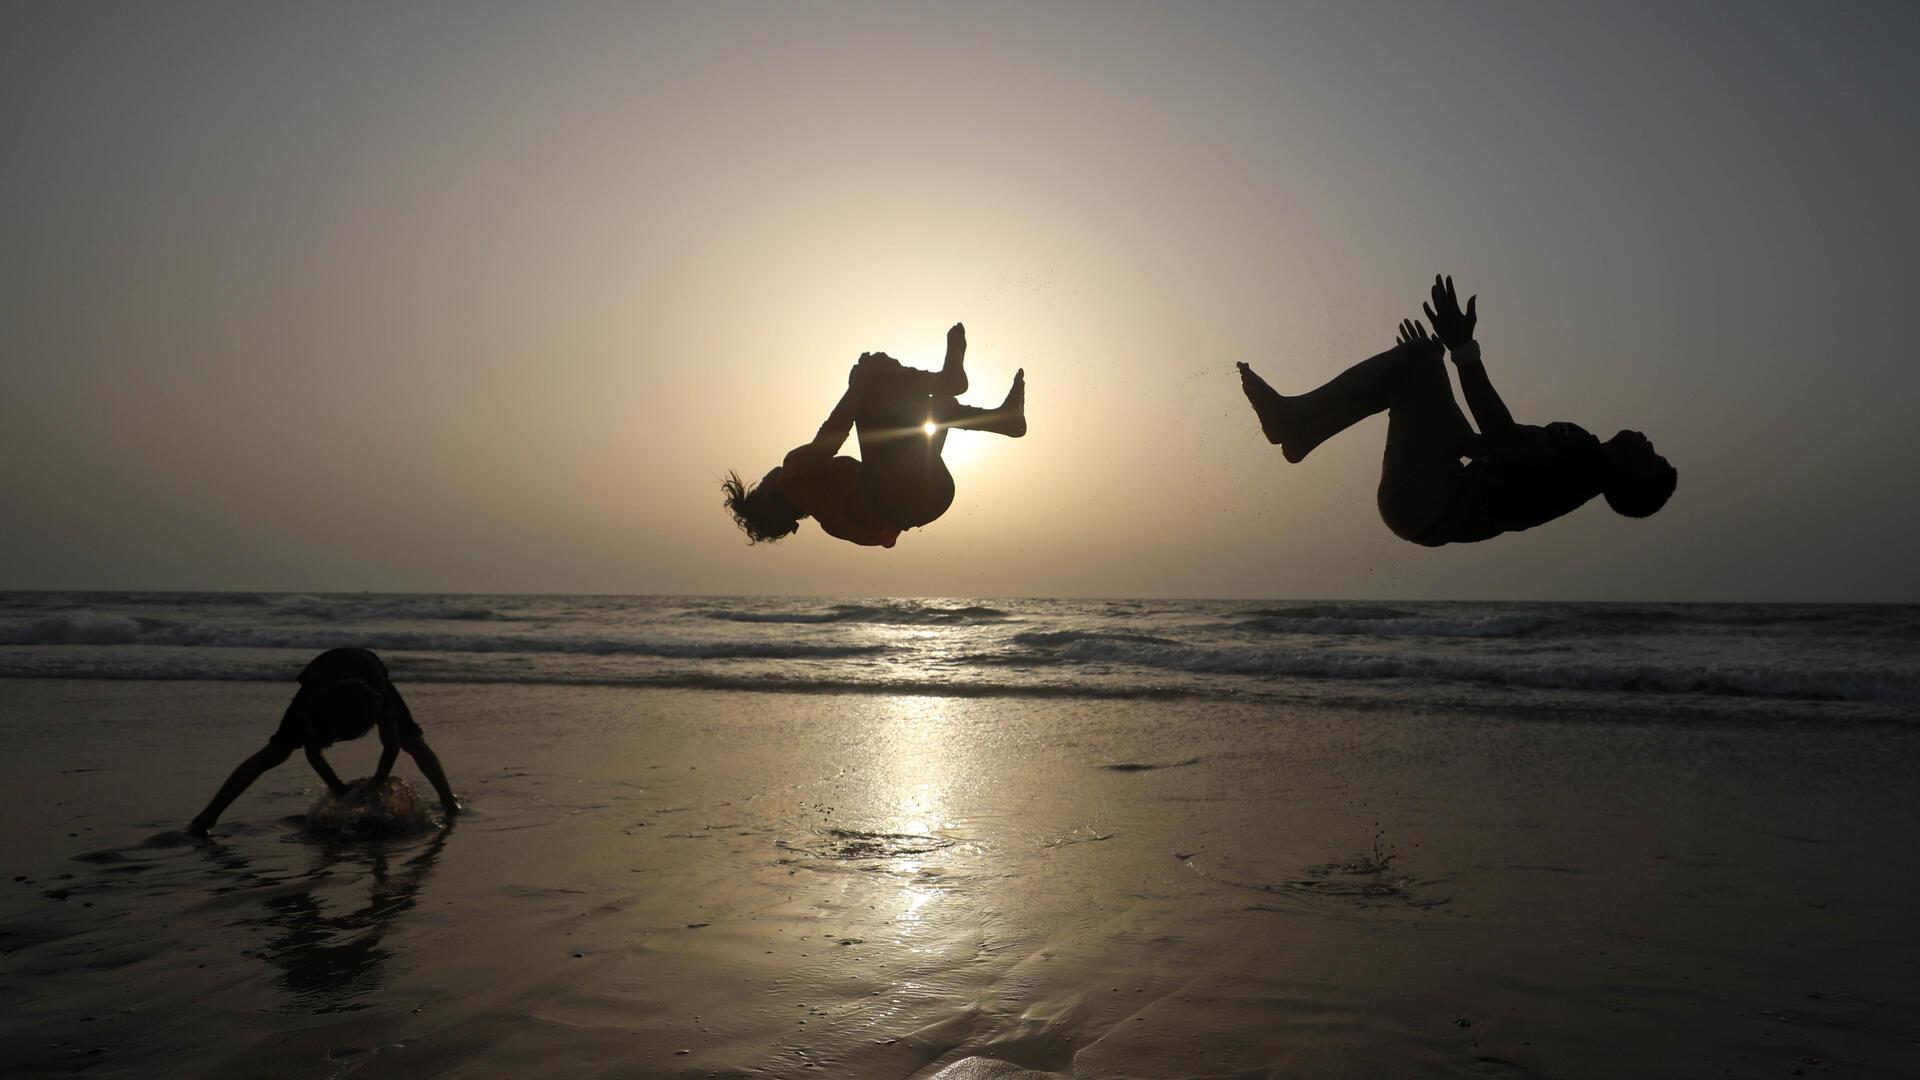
(902, 415)
(1517, 476)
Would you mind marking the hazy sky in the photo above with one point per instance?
(447, 297)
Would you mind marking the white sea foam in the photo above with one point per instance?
(404, 608)
(1525, 671)
(1411, 626)
(74, 628)
(91, 628)
(1828, 662)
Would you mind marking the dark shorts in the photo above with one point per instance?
(295, 722)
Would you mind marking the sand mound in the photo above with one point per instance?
(365, 811)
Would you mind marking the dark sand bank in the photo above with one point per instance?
(787, 885)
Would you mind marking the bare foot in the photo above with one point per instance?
(954, 369)
(1015, 425)
(1270, 407)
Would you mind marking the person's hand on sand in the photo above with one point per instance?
(1454, 327)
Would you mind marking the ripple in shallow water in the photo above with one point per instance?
(852, 844)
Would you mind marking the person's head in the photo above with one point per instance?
(347, 708)
(1638, 480)
(761, 511)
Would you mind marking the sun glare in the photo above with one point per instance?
(929, 427)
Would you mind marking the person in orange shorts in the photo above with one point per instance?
(899, 482)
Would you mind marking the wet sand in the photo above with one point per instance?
(698, 884)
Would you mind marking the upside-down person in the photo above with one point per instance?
(898, 482)
(1515, 476)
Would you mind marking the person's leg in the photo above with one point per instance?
(1420, 471)
(953, 370)
(906, 484)
(1299, 424)
(416, 744)
(895, 405)
(1009, 418)
(242, 777)
(950, 380)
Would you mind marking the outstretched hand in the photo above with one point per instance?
(1454, 327)
(1413, 333)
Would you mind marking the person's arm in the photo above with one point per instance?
(242, 778)
(1454, 327)
(1489, 412)
(1524, 443)
(388, 754)
(429, 763)
(839, 425)
(389, 748)
(319, 762)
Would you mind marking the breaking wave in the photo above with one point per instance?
(1827, 662)
(1397, 626)
(1525, 670)
(880, 614)
(90, 628)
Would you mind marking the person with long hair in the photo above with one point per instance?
(899, 482)
(1515, 476)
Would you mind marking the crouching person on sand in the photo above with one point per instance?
(344, 693)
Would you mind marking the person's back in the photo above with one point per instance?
(1508, 490)
(827, 487)
(346, 663)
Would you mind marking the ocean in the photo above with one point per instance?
(1714, 663)
(970, 837)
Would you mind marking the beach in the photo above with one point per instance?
(1068, 541)
(691, 882)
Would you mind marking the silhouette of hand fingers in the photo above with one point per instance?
(1451, 326)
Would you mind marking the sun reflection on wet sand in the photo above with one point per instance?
(914, 778)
